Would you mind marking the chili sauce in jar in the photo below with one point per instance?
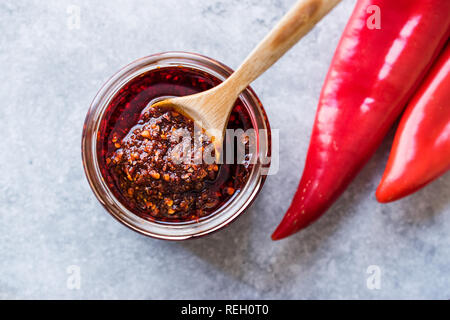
(135, 143)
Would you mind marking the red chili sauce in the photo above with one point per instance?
(134, 142)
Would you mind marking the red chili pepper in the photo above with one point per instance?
(421, 149)
(373, 74)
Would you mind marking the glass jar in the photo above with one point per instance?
(174, 230)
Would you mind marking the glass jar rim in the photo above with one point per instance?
(163, 230)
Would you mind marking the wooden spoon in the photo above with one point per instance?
(211, 109)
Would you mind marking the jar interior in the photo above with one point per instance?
(120, 118)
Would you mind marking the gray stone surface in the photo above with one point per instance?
(50, 219)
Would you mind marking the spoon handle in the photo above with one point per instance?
(292, 27)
